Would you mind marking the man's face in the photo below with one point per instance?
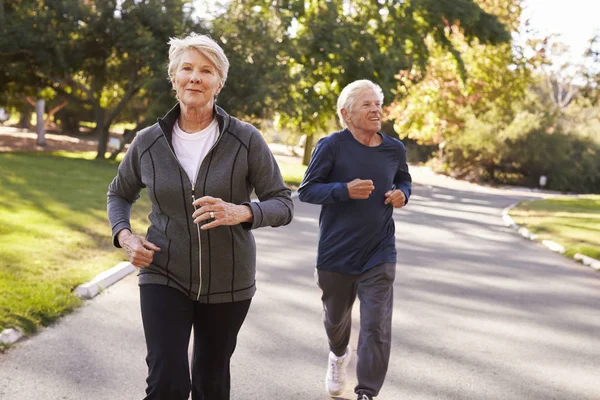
(366, 113)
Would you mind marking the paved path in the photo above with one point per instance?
(480, 313)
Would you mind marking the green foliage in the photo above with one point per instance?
(97, 54)
(571, 163)
(291, 58)
(254, 36)
(433, 104)
(520, 146)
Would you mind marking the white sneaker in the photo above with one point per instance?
(336, 372)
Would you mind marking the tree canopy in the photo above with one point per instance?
(98, 54)
(451, 74)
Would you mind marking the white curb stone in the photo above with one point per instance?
(10, 335)
(525, 232)
(105, 279)
(589, 261)
(554, 246)
(508, 221)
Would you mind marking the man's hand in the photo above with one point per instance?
(220, 212)
(360, 189)
(396, 198)
(139, 250)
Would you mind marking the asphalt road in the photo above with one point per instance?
(479, 313)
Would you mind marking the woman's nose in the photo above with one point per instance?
(195, 77)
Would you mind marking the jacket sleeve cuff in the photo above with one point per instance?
(340, 191)
(406, 194)
(257, 215)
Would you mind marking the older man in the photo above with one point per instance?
(359, 176)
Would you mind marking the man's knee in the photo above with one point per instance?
(336, 319)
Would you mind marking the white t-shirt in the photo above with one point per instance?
(191, 148)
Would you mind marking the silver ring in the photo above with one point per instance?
(212, 215)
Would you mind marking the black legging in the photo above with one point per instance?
(168, 316)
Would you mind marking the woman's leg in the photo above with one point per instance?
(167, 316)
(216, 327)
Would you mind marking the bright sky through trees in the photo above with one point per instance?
(576, 21)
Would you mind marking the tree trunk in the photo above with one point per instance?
(40, 105)
(25, 117)
(101, 133)
(308, 146)
(2, 22)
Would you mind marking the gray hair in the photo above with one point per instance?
(206, 46)
(349, 93)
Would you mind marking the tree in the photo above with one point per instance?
(297, 55)
(98, 53)
(433, 103)
(254, 37)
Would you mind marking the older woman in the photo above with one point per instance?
(197, 262)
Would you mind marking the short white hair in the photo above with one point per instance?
(350, 93)
(206, 46)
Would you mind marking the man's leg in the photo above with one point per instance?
(339, 293)
(167, 318)
(338, 297)
(216, 327)
(376, 295)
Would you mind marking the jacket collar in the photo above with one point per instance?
(167, 122)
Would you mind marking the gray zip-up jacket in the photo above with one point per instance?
(216, 265)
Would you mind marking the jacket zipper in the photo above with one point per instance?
(199, 248)
(193, 200)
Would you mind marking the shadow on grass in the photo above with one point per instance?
(55, 233)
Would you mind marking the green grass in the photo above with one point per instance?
(54, 233)
(292, 172)
(571, 222)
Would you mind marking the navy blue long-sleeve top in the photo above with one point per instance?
(355, 235)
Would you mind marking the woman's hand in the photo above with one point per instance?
(221, 212)
(139, 250)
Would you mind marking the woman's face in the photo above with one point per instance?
(196, 80)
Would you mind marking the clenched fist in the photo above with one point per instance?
(360, 189)
(139, 250)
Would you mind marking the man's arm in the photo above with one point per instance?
(402, 179)
(315, 187)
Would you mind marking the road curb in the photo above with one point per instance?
(10, 336)
(556, 247)
(85, 291)
(103, 280)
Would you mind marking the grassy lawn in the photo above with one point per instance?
(54, 232)
(571, 222)
(292, 172)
